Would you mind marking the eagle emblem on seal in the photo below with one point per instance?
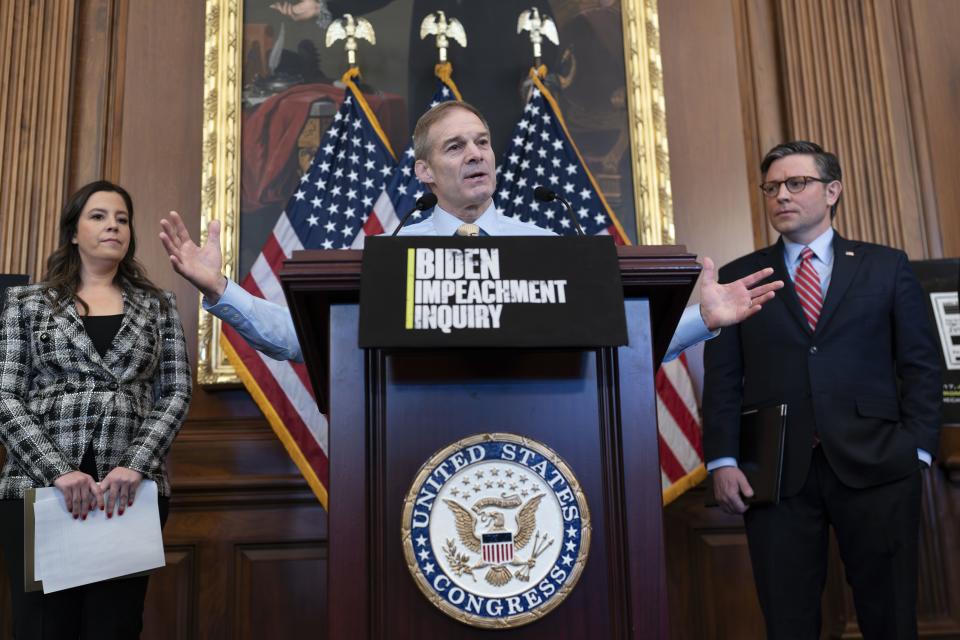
(495, 530)
(496, 545)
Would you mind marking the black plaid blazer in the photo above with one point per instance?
(57, 394)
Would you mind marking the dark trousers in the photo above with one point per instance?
(110, 610)
(877, 531)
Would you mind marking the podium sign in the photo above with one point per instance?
(491, 292)
(439, 456)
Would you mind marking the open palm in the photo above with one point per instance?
(201, 265)
(722, 305)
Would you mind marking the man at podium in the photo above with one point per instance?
(454, 159)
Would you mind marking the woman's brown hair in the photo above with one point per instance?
(62, 277)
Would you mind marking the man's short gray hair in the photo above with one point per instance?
(421, 131)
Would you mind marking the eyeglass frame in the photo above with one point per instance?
(779, 183)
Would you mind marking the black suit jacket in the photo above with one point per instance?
(867, 381)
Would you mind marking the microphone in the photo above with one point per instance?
(425, 201)
(543, 194)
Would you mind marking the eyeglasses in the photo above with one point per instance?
(795, 184)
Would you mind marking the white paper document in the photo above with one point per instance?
(69, 553)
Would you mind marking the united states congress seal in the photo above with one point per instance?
(496, 530)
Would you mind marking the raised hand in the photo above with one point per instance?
(722, 305)
(201, 266)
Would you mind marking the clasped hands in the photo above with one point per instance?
(83, 494)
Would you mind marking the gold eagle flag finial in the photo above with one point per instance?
(445, 29)
(350, 29)
(540, 27)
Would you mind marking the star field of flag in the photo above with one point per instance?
(540, 154)
(336, 195)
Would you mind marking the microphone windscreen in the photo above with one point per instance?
(544, 194)
(426, 201)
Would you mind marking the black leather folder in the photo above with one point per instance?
(762, 434)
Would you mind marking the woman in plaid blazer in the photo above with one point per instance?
(94, 385)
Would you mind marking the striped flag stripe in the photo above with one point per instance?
(680, 441)
(681, 389)
(298, 395)
(313, 448)
(668, 462)
(679, 429)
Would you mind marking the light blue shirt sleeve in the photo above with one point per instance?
(713, 465)
(692, 330)
(267, 326)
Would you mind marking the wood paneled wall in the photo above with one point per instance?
(845, 85)
(36, 62)
(112, 88)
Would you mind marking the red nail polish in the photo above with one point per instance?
(109, 515)
(120, 513)
(84, 517)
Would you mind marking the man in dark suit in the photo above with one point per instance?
(848, 347)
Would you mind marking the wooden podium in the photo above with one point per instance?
(390, 410)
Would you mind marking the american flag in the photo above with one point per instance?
(403, 189)
(542, 153)
(680, 427)
(333, 201)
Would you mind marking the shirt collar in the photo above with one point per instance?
(821, 248)
(446, 224)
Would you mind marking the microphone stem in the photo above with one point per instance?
(405, 218)
(573, 217)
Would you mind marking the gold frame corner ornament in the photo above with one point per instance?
(220, 178)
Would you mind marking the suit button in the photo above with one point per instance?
(813, 351)
(113, 386)
(44, 337)
(70, 387)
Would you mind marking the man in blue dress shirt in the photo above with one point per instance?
(454, 159)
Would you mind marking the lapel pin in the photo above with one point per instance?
(849, 253)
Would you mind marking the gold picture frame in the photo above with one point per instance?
(220, 179)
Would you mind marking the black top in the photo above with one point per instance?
(102, 330)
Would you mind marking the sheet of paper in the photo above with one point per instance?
(70, 553)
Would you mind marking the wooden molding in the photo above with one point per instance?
(36, 62)
(845, 87)
(98, 85)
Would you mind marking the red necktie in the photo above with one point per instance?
(807, 284)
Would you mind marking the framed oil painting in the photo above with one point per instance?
(271, 88)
